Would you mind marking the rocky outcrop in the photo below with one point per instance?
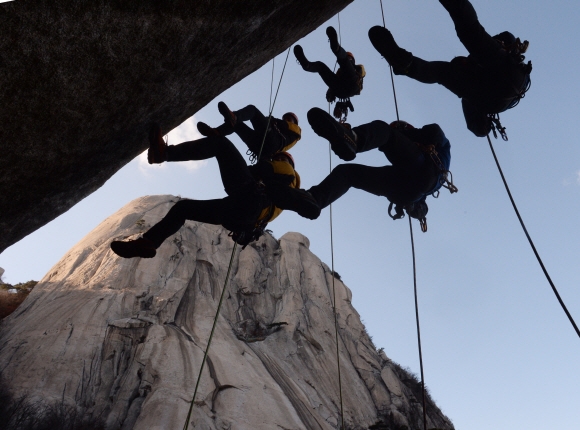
(123, 339)
(81, 81)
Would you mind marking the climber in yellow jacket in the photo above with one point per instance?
(256, 194)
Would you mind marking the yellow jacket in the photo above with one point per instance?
(280, 168)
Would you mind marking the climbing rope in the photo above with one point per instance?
(424, 228)
(332, 264)
(530, 241)
(391, 69)
(334, 309)
(186, 425)
(271, 85)
(273, 103)
(418, 327)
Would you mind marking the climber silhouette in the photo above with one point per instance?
(345, 83)
(413, 175)
(492, 79)
(256, 194)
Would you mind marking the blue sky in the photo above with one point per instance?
(498, 351)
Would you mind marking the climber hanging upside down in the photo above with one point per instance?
(492, 79)
(256, 194)
(345, 83)
(282, 133)
(420, 161)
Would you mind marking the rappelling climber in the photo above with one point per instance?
(345, 83)
(282, 133)
(492, 79)
(256, 194)
(419, 157)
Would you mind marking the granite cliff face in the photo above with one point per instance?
(124, 339)
(81, 81)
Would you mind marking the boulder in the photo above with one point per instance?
(124, 339)
(81, 82)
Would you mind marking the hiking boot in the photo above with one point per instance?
(229, 117)
(157, 152)
(397, 57)
(333, 39)
(299, 53)
(342, 139)
(141, 247)
(206, 130)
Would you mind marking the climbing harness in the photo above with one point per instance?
(496, 126)
(246, 235)
(341, 109)
(531, 242)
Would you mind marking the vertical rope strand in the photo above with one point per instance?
(531, 242)
(394, 92)
(418, 327)
(186, 426)
(332, 264)
(273, 103)
(271, 85)
(334, 303)
(391, 69)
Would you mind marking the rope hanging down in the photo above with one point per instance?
(186, 425)
(334, 307)
(391, 70)
(332, 264)
(532, 243)
(418, 327)
(274, 102)
(423, 228)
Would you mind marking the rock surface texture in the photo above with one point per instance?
(81, 81)
(123, 339)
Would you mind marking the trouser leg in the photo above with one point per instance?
(252, 113)
(207, 211)
(444, 73)
(375, 180)
(235, 174)
(249, 136)
(403, 152)
(372, 135)
(325, 73)
(345, 63)
(469, 30)
(256, 139)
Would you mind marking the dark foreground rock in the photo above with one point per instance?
(80, 81)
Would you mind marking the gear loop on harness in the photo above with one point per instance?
(343, 105)
(496, 125)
